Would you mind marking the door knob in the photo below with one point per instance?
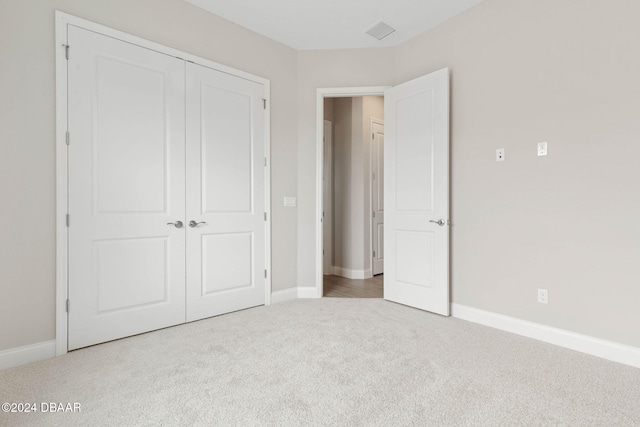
(440, 222)
(194, 224)
(177, 224)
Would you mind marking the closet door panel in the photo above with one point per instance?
(225, 193)
(126, 182)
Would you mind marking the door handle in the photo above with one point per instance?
(440, 222)
(194, 224)
(177, 224)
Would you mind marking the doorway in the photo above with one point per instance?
(416, 153)
(353, 196)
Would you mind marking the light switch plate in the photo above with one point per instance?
(500, 155)
(290, 202)
(542, 148)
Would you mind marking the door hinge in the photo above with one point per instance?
(264, 103)
(67, 138)
(373, 136)
(265, 216)
(374, 214)
(265, 162)
(66, 51)
(68, 305)
(67, 220)
(265, 274)
(374, 254)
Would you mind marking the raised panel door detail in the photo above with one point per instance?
(226, 150)
(227, 262)
(414, 146)
(413, 250)
(130, 272)
(131, 137)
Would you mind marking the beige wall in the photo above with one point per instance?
(351, 172)
(27, 129)
(328, 109)
(522, 72)
(347, 160)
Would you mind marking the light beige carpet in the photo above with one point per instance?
(344, 362)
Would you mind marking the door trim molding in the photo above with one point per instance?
(321, 94)
(62, 248)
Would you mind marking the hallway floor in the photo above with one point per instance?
(341, 287)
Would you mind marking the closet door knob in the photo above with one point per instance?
(194, 224)
(177, 224)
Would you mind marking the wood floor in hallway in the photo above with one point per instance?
(341, 287)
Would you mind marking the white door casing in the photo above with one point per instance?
(377, 196)
(126, 182)
(416, 186)
(226, 167)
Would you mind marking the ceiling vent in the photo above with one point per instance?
(381, 30)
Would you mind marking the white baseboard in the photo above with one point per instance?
(307, 292)
(27, 354)
(284, 295)
(609, 350)
(351, 274)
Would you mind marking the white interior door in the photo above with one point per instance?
(126, 182)
(225, 193)
(377, 196)
(327, 200)
(416, 158)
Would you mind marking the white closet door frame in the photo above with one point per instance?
(63, 20)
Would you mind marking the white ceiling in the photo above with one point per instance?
(335, 24)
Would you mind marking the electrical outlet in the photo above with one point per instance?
(542, 148)
(543, 296)
(500, 155)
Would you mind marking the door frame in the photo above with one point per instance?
(321, 94)
(62, 244)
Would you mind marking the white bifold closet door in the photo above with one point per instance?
(156, 142)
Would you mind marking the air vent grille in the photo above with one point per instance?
(381, 30)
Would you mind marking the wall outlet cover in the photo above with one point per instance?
(500, 155)
(543, 296)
